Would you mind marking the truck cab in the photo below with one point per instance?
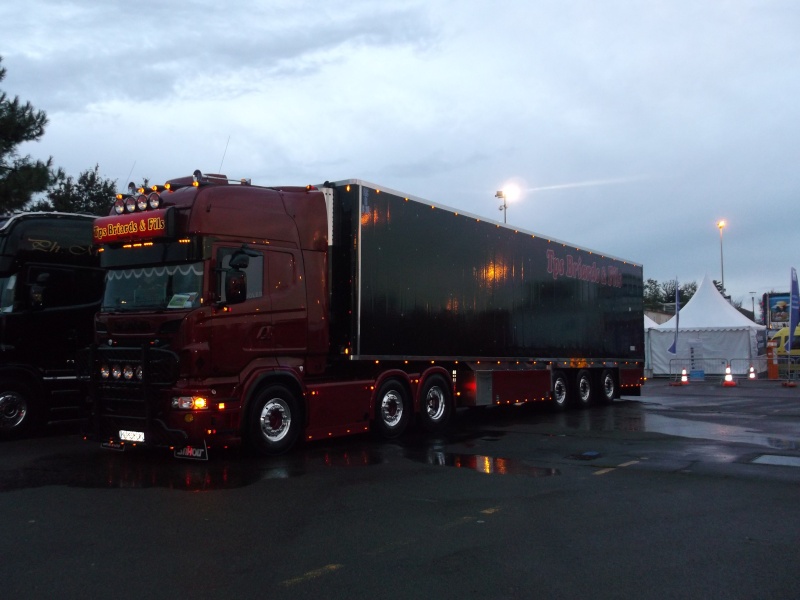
(50, 288)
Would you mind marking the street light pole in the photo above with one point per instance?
(721, 225)
(501, 194)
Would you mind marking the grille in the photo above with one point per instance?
(133, 398)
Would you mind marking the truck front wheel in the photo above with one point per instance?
(435, 404)
(274, 423)
(392, 410)
(17, 410)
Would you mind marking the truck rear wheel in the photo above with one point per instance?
(561, 392)
(608, 387)
(585, 388)
(435, 404)
(17, 409)
(274, 423)
(392, 409)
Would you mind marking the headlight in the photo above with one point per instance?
(128, 372)
(116, 372)
(190, 402)
(139, 373)
(104, 371)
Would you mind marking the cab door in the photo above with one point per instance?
(240, 332)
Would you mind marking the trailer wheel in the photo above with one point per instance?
(436, 404)
(585, 388)
(392, 409)
(561, 391)
(274, 422)
(18, 412)
(608, 387)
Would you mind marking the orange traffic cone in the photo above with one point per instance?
(729, 380)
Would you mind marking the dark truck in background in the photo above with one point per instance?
(51, 285)
(235, 312)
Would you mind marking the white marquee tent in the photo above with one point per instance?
(711, 335)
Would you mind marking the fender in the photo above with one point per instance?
(427, 374)
(399, 374)
(284, 375)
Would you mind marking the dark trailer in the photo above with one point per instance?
(50, 288)
(432, 282)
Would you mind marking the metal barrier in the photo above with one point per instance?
(788, 367)
(686, 370)
(697, 369)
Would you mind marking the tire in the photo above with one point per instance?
(584, 388)
(18, 411)
(561, 394)
(274, 421)
(392, 410)
(436, 404)
(608, 387)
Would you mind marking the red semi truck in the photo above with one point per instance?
(234, 312)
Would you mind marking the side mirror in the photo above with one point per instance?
(240, 260)
(235, 287)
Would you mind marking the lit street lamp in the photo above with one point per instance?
(508, 194)
(502, 195)
(721, 225)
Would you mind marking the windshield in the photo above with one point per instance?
(154, 288)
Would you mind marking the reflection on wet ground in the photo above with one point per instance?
(669, 425)
(489, 465)
(145, 468)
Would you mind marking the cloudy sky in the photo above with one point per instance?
(633, 127)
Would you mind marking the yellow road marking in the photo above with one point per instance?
(311, 575)
(608, 470)
(603, 471)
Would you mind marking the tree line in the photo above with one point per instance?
(27, 184)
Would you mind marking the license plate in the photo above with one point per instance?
(113, 445)
(131, 436)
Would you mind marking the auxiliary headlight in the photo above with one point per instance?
(190, 402)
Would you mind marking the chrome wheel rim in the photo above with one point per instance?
(275, 419)
(13, 410)
(560, 391)
(608, 387)
(585, 389)
(391, 408)
(435, 404)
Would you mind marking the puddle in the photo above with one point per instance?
(489, 465)
(714, 431)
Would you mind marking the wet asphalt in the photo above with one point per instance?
(686, 492)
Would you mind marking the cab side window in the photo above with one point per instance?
(254, 272)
